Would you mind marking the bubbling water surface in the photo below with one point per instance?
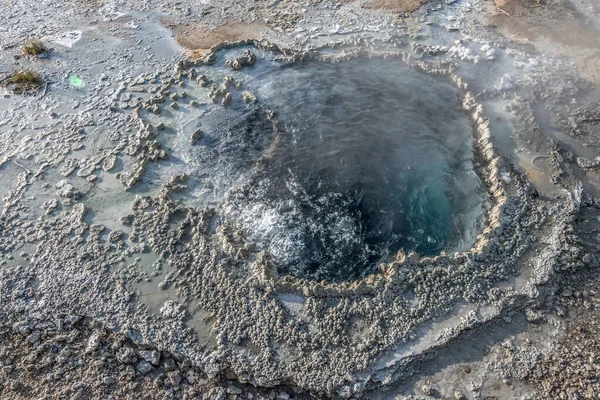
(373, 157)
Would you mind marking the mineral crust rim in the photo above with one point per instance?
(483, 150)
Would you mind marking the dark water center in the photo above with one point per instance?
(373, 157)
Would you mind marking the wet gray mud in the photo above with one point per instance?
(356, 203)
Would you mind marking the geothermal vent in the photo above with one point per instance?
(370, 156)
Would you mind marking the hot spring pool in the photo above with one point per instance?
(372, 157)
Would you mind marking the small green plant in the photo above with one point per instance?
(34, 48)
(24, 81)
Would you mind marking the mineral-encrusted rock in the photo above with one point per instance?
(69, 166)
(459, 396)
(249, 98)
(172, 309)
(534, 315)
(226, 99)
(66, 190)
(126, 355)
(158, 99)
(50, 206)
(115, 236)
(246, 59)
(196, 136)
(203, 81)
(132, 176)
(93, 342)
(127, 220)
(109, 162)
(428, 389)
(586, 163)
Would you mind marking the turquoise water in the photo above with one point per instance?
(373, 157)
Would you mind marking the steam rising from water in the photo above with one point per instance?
(374, 157)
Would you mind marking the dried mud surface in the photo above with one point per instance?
(198, 37)
(403, 6)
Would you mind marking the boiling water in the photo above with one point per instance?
(372, 157)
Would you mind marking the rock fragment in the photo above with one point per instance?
(248, 58)
(144, 367)
(249, 98)
(203, 81)
(152, 356)
(172, 309)
(196, 136)
(109, 162)
(66, 190)
(93, 342)
(216, 393)
(226, 99)
(126, 355)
